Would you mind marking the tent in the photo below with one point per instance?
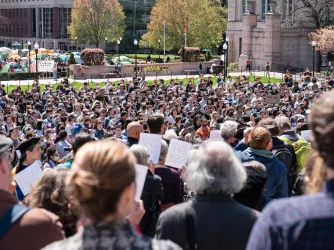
(5, 69)
(121, 59)
(4, 52)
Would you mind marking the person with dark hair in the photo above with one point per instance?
(62, 145)
(39, 128)
(30, 151)
(156, 124)
(52, 157)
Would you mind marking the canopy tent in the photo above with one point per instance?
(4, 52)
(16, 44)
(6, 68)
(121, 59)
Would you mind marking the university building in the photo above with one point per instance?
(46, 21)
(256, 32)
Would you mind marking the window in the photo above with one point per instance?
(265, 8)
(64, 18)
(243, 7)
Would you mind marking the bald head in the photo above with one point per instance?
(134, 129)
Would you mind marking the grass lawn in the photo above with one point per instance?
(9, 88)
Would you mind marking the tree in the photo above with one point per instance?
(204, 21)
(93, 20)
(324, 38)
(316, 12)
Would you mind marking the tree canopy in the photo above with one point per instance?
(204, 21)
(324, 38)
(94, 20)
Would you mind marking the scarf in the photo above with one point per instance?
(260, 152)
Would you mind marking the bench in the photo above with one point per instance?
(191, 72)
(110, 75)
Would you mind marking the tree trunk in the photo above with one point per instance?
(97, 45)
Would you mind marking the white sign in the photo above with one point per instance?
(29, 176)
(45, 66)
(306, 134)
(141, 172)
(153, 144)
(177, 153)
(215, 134)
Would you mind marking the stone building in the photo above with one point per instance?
(255, 31)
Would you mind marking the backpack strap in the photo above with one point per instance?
(13, 214)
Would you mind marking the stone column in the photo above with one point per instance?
(232, 5)
(248, 23)
(272, 39)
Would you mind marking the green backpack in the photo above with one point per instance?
(302, 150)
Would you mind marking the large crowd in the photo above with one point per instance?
(265, 182)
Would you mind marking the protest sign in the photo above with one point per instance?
(153, 144)
(306, 134)
(141, 172)
(272, 99)
(177, 153)
(215, 134)
(29, 176)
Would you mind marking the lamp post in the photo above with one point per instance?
(29, 48)
(225, 60)
(76, 43)
(118, 43)
(135, 42)
(106, 39)
(36, 47)
(159, 42)
(314, 44)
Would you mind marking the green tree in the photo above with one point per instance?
(94, 20)
(204, 20)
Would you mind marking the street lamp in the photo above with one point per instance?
(314, 44)
(106, 39)
(225, 60)
(29, 48)
(159, 42)
(135, 42)
(36, 47)
(118, 43)
(76, 43)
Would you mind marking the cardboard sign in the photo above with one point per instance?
(306, 134)
(29, 176)
(272, 99)
(177, 155)
(141, 172)
(153, 144)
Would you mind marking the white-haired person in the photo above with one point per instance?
(212, 220)
(228, 131)
(152, 193)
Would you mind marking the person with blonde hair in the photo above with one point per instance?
(102, 185)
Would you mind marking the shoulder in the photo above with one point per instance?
(176, 213)
(164, 244)
(73, 243)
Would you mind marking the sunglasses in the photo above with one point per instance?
(111, 129)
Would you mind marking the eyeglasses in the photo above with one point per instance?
(111, 129)
(99, 123)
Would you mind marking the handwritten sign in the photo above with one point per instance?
(141, 172)
(29, 176)
(215, 134)
(306, 134)
(153, 144)
(272, 99)
(177, 153)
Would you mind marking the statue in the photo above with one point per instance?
(273, 6)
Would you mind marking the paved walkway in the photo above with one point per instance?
(165, 77)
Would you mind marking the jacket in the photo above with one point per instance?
(220, 223)
(34, 230)
(291, 135)
(277, 184)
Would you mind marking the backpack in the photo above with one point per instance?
(302, 150)
(283, 155)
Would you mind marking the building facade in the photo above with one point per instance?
(261, 35)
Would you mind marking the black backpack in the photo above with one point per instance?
(283, 154)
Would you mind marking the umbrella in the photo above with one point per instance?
(4, 52)
(5, 69)
(16, 44)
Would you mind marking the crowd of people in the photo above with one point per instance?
(266, 182)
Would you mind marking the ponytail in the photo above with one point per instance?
(20, 163)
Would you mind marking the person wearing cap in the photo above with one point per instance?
(30, 151)
(26, 228)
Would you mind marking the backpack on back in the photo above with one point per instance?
(302, 150)
(283, 155)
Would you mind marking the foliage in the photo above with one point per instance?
(204, 21)
(324, 38)
(17, 76)
(71, 59)
(233, 66)
(92, 56)
(190, 54)
(94, 20)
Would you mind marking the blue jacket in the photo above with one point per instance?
(277, 184)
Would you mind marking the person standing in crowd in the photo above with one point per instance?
(133, 131)
(156, 124)
(310, 225)
(106, 200)
(204, 131)
(249, 65)
(21, 227)
(259, 145)
(212, 219)
(52, 158)
(62, 145)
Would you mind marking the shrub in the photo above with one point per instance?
(18, 76)
(92, 56)
(190, 54)
(70, 61)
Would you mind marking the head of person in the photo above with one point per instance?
(271, 125)
(228, 131)
(260, 138)
(30, 152)
(141, 154)
(61, 136)
(102, 181)
(204, 122)
(163, 152)
(283, 123)
(118, 130)
(321, 122)
(51, 153)
(50, 193)
(80, 140)
(5, 166)
(214, 169)
(134, 129)
(251, 194)
(156, 124)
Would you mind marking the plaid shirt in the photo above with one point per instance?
(305, 223)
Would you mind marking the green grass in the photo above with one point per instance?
(77, 85)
